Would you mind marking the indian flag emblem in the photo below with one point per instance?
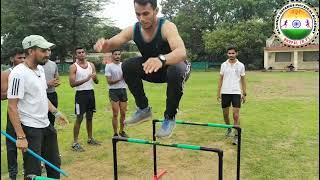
(296, 23)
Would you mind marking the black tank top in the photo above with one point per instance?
(154, 48)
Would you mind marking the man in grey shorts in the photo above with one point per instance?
(117, 92)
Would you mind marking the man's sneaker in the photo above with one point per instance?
(123, 134)
(13, 178)
(166, 129)
(229, 132)
(141, 115)
(93, 142)
(77, 147)
(43, 168)
(235, 140)
(115, 135)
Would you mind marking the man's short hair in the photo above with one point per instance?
(114, 50)
(16, 51)
(145, 2)
(232, 48)
(77, 48)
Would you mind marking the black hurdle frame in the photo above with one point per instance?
(237, 128)
(116, 139)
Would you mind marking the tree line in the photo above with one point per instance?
(68, 24)
(207, 27)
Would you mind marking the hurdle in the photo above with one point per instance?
(196, 124)
(155, 143)
(34, 177)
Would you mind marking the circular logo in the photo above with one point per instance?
(296, 24)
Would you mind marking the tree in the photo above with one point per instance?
(66, 23)
(195, 18)
(249, 37)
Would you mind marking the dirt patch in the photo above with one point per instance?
(285, 88)
(136, 163)
(289, 143)
(89, 169)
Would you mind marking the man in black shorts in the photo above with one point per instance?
(232, 88)
(82, 75)
(117, 92)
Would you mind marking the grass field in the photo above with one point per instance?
(280, 124)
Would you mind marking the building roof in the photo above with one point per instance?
(313, 47)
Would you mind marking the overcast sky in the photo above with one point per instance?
(121, 12)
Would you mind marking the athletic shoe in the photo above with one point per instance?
(43, 168)
(141, 115)
(166, 129)
(123, 134)
(93, 142)
(235, 140)
(115, 135)
(76, 147)
(13, 178)
(229, 132)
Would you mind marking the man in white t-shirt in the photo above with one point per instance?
(232, 88)
(117, 92)
(28, 108)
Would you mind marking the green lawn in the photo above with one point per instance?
(280, 124)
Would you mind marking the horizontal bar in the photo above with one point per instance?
(34, 177)
(181, 146)
(202, 124)
(35, 155)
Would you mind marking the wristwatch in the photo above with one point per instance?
(21, 137)
(163, 59)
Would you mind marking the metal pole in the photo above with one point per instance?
(220, 154)
(238, 153)
(34, 177)
(181, 146)
(218, 126)
(115, 164)
(154, 149)
(35, 155)
(200, 124)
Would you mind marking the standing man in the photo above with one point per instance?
(82, 75)
(28, 108)
(117, 92)
(232, 89)
(52, 79)
(16, 57)
(163, 61)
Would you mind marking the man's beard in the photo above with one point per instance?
(41, 63)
